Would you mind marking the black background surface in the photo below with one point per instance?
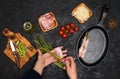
(13, 13)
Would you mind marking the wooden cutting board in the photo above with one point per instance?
(15, 37)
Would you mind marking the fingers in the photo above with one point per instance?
(53, 50)
(64, 51)
(49, 60)
(39, 53)
(67, 63)
(68, 60)
(61, 47)
(59, 52)
(71, 61)
(47, 55)
(64, 55)
(52, 59)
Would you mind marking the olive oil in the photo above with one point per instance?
(28, 27)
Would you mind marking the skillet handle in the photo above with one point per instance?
(105, 11)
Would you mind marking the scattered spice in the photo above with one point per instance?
(112, 23)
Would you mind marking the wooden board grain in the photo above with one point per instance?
(31, 51)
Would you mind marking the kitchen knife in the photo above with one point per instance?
(14, 53)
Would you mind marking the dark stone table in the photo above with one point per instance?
(13, 13)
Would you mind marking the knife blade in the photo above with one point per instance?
(14, 53)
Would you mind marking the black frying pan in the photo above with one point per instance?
(98, 41)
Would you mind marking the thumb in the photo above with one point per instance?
(39, 53)
(67, 65)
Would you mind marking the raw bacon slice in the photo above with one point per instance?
(83, 48)
(58, 51)
(47, 22)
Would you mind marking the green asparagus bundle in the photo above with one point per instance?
(46, 48)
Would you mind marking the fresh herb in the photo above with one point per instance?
(46, 47)
(21, 48)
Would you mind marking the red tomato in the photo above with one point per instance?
(61, 32)
(76, 28)
(72, 25)
(71, 31)
(62, 28)
(67, 27)
(64, 35)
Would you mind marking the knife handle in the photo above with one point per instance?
(16, 59)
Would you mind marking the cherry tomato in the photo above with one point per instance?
(71, 30)
(61, 32)
(62, 28)
(64, 35)
(72, 25)
(76, 28)
(67, 27)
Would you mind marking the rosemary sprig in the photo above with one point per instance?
(46, 48)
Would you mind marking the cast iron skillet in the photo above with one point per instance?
(98, 41)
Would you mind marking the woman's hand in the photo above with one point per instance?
(43, 61)
(46, 59)
(59, 52)
(70, 67)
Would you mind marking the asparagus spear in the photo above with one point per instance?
(46, 48)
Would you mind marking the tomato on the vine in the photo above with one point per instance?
(76, 28)
(62, 28)
(71, 30)
(67, 27)
(61, 32)
(72, 25)
(64, 35)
